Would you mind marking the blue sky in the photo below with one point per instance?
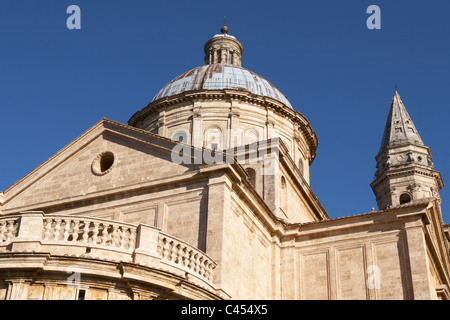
(55, 83)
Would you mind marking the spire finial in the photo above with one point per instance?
(224, 29)
(395, 86)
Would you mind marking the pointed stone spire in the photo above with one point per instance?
(404, 168)
(399, 128)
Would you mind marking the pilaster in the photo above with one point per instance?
(418, 259)
(197, 130)
(219, 203)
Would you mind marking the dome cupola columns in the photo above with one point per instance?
(223, 48)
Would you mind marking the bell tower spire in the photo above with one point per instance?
(399, 127)
(404, 168)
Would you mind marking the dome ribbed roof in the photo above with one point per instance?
(221, 76)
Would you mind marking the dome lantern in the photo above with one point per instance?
(223, 48)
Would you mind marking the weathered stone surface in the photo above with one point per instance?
(113, 216)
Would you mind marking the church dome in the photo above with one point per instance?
(222, 105)
(218, 76)
(222, 70)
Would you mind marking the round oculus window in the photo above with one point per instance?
(103, 163)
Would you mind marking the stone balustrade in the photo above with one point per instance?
(89, 231)
(68, 235)
(8, 229)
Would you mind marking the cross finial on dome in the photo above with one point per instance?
(224, 29)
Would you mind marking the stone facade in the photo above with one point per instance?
(114, 214)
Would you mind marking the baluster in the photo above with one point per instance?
(122, 237)
(66, 229)
(206, 273)
(197, 263)
(173, 251)
(47, 228)
(132, 241)
(114, 236)
(166, 249)
(186, 254)
(10, 230)
(209, 274)
(104, 234)
(2, 231)
(75, 230)
(179, 254)
(95, 233)
(56, 229)
(86, 231)
(191, 265)
(201, 270)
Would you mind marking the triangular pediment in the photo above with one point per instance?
(108, 156)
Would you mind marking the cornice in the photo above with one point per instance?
(227, 95)
(394, 216)
(412, 169)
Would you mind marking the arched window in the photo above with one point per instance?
(405, 198)
(213, 138)
(250, 136)
(251, 176)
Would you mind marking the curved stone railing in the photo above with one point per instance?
(89, 231)
(103, 239)
(182, 254)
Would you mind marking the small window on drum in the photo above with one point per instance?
(180, 136)
(81, 294)
(405, 198)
